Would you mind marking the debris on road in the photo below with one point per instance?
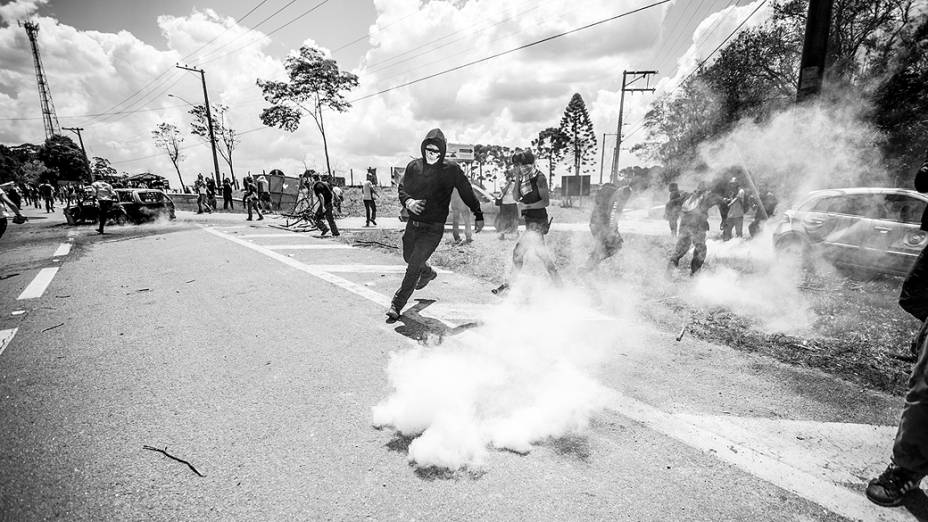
(7, 276)
(53, 327)
(682, 331)
(168, 455)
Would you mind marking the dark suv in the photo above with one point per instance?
(145, 204)
(864, 230)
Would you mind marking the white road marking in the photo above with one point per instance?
(821, 491)
(63, 250)
(371, 269)
(279, 234)
(332, 246)
(38, 285)
(6, 337)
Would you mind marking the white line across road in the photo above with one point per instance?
(333, 246)
(6, 337)
(826, 493)
(63, 250)
(279, 234)
(370, 269)
(38, 285)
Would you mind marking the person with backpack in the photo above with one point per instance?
(532, 194)
(608, 203)
(250, 199)
(694, 224)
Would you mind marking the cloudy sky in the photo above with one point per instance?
(110, 65)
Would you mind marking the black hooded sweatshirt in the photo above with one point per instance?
(435, 183)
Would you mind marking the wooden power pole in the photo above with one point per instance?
(814, 49)
(635, 76)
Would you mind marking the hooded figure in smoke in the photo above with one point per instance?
(425, 191)
(909, 463)
(694, 223)
(608, 203)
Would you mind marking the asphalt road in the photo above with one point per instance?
(256, 355)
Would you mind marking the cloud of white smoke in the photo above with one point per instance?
(20, 9)
(525, 375)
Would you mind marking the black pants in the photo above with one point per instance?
(910, 449)
(370, 212)
(691, 234)
(105, 206)
(3, 225)
(606, 242)
(49, 205)
(227, 202)
(326, 211)
(419, 241)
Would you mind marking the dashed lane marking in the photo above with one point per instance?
(333, 246)
(821, 491)
(6, 337)
(38, 285)
(63, 250)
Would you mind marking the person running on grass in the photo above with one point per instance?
(425, 191)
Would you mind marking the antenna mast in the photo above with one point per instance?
(45, 94)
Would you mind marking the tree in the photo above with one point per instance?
(10, 165)
(61, 155)
(578, 129)
(551, 145)
(101, 168)
(315, 83)
(224, 133)
(167, 137)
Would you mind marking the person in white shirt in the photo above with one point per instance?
(105, 195)
(368, 193)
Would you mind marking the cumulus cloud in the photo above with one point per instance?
(507, 100)
(19, 10)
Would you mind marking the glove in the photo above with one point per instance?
(20, 219)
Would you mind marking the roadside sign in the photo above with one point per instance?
(460, 152)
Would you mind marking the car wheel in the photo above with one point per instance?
(795, 252)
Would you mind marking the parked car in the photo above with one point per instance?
(861, 230)
(145, 204)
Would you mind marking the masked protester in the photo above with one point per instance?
(672, 208)
(736, 203)
(323, 191)
(608, 203)
(425, 192)
(531, 188)
(694, 223)
(909, 463)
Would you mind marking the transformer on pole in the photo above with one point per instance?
(45, 94)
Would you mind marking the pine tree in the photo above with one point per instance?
(581, 140)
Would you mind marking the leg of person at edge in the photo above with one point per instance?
(694, 223)
(105, 195)
(531, 193)
(909, 462)
(608, 203)
(425, 191)
(459, 213)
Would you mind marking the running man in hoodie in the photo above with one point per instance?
(425, 191)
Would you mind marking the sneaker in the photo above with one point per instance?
(260, 218)
(324, 232)
(424, 279)
(393, 314)
(892, 485)
(336, 235)
(374, 222)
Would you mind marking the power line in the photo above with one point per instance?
(514, 49)
(641, 124)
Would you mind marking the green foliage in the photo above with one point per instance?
(65, 159)
(10, 165)
(101, 168)
(577, 127)
(314, 83)
(168, 138)
(756, 75)
(226, 137)
(551, 144)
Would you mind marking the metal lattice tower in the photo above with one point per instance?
(45, 93)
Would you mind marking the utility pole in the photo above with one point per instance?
(602, 157)
(814, 49)
(45, 93)
(635, 76)
(209, 120)
(77, 130)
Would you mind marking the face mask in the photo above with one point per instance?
(431, 158)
